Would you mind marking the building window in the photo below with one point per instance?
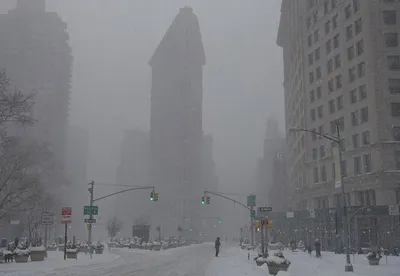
(309, 40)
(319, 92)
(394, 86)
(320, 111)
(364, 114)
(362, 91)
(350, 53)
(343, 166)
(353, 96)
(357, 165)
(366, 139)
(323, 173)
(340, 121)
(313, 135)
(356, 140)
(321, 130)
(389, 17)
(310, 59)
(361, 70)
(395, 109)
(331, 87)
(367, 163)
(397, 159)
(336, 41)
(318, 73)
(358, 26)
(329, 66)
(333, 171)
(360, 198)
(311, 77)
(352, 74)
(332, 106)
(391, 40)
(334, 21)
(315, 16)
(316, 176)
(347, 11)
(326, 7)
(338, 62)
(393, 62)
(349, 32)
(339, 102)
(339, 82)
(356, 5)
(312, 96)
(322, 151)
(316, 35)
(328, 46)
(313, 114)
(308, 24)
(354, 118)
(396, 133)
(327, 26)
(360, 47)
(314, 154)
(317, 54)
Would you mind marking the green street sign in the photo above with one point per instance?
(91, 210)
(251, 200)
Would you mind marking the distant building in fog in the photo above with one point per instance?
(176, 134)
(133, 170)
(35, 52)
(266, 171)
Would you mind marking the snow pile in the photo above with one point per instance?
(72, 250)
(37, 248)
(21, 252)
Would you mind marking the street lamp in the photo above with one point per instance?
(346, 225)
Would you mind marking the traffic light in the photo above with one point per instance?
(208, 200)
(203, 200)
(152, 196)
(220, 221)
(190, 229)
(155, 196)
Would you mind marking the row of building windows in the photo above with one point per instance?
(357, 117)
(361, 165)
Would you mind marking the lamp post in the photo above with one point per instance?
(346, 225)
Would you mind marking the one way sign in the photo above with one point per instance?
(262, 211)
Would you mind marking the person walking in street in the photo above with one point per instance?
(317, 248)
(217, 246)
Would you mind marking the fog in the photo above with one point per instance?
(112, 42)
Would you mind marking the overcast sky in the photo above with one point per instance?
(112, 41)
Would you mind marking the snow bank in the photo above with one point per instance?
(37, 248)
(275, 259)
(21, 252)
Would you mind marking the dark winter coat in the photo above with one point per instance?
(217, 243)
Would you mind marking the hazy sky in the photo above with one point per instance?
(112, 41)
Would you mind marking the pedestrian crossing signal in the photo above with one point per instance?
(155, 196)
(207, 200)
(203, 200)
(152, 196)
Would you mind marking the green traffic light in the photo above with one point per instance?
(220, 221)
(202, 202)
(190, 229)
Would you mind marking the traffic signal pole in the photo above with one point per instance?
(91, 191)
(252, 226)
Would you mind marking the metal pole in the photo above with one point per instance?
(65, 241)
(91, 191)
(262, 238)
(252, 226)
(266, 238)
(45, 236)
(346, 225)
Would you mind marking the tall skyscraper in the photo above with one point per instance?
(341, 66)
(176, 132)
(35, 53)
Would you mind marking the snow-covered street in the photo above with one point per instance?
(195, 260)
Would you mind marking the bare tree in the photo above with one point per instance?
(114, 225)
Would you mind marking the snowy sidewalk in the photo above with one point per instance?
(233, 262)
(55, 260)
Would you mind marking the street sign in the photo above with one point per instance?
(66, 215)
(312, 213)
(251, 200)
(14, 222)
(290, 214)
(90, 220)
(47, 219)
(262, 211)
(394, 210)
(91, 210)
